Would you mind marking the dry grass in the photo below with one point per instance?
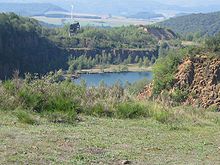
(109, 141)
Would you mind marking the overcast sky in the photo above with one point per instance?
(191, 2)
(99, 6)
(175, 2)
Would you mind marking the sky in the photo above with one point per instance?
(171, 2)
(132, 6)
(191, 2)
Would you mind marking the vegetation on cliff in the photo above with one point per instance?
(190, 75)
(106, 38)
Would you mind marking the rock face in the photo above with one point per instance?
(160, 33)
(120, 53)
(200, 76)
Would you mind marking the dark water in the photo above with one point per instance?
(112, 78)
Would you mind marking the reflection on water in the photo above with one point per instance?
(112, 78)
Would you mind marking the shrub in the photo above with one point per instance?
(25, 117)
(59, 103)
(164, 70)
(6, 102)
(62, 117)
(179, 95)
(9, 86)
(136, 87)
(31, 100)
(161, 116)
(132, 110)
(95, 110)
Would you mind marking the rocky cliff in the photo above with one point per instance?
(160, 33)
(120, 53)
(199, 78)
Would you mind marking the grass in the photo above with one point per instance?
(25, 117)
(109, 141)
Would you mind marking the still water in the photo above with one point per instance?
(112, 78)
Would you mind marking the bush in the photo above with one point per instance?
(161, 116)
(179, 95)
(25, 117)
(165, 69)
(62, 117)
(99, 110)
(137, 87)
(132, 110)
(9, 86)
(31, 100)
(7, 101)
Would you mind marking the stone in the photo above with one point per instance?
(126, 162)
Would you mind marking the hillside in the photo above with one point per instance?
(23, 46)
(205, 24)
(129, 37)
(29, 9)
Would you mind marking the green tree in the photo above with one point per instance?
(146, 62)
(129, 60)
(136, 59)
(140, 62)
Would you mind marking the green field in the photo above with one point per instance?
(109, 141)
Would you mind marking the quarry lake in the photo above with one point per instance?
(112, 78)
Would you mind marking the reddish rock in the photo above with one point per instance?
(201, 77)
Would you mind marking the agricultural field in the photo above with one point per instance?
(113, 22)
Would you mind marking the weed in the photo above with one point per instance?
(132, 110)
(62, 117)
(25, 117)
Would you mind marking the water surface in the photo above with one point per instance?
(112, 78)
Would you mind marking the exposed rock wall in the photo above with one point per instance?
(200, 77)
(160, 33)
(121, 53)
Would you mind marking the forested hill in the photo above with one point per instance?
(202, 24)
(24, 47)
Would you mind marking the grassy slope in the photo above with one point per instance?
(107, 141)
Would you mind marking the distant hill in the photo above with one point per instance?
(145, 15)
(205, 24)
(30, 9)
